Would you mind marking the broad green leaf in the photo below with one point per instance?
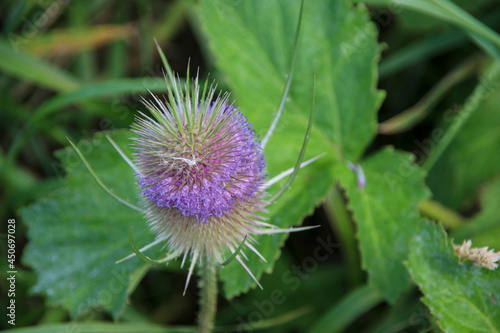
(21, 65)
(484, 228)
(78, 233)
(386, 214)
(472, 157)
(463, 297)
(252, 42)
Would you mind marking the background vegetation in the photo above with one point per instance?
(407, 90)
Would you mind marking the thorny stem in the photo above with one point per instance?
(208, 297)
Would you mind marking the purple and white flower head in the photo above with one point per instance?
(201, 171)
(206, 165)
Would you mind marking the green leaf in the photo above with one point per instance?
(386, 214)
(253, 44)
(260, 35)
(78, 233)
(463, 297)
(23, 66)
(484, 228)
(472, 157)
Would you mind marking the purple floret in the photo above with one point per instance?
(204, 168)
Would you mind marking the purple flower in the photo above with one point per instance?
(201, 170)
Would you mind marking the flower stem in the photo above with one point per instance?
(208, 297)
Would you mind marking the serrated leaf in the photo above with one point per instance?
(484, 228)
(253, 45)
(463, 297)
(386, 214)
(472, 157)
(78, 233)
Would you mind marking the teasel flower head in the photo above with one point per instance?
(201, 171)
(199, 160)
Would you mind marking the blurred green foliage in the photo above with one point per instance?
(73, 69)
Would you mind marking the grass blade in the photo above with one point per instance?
(22, 66)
